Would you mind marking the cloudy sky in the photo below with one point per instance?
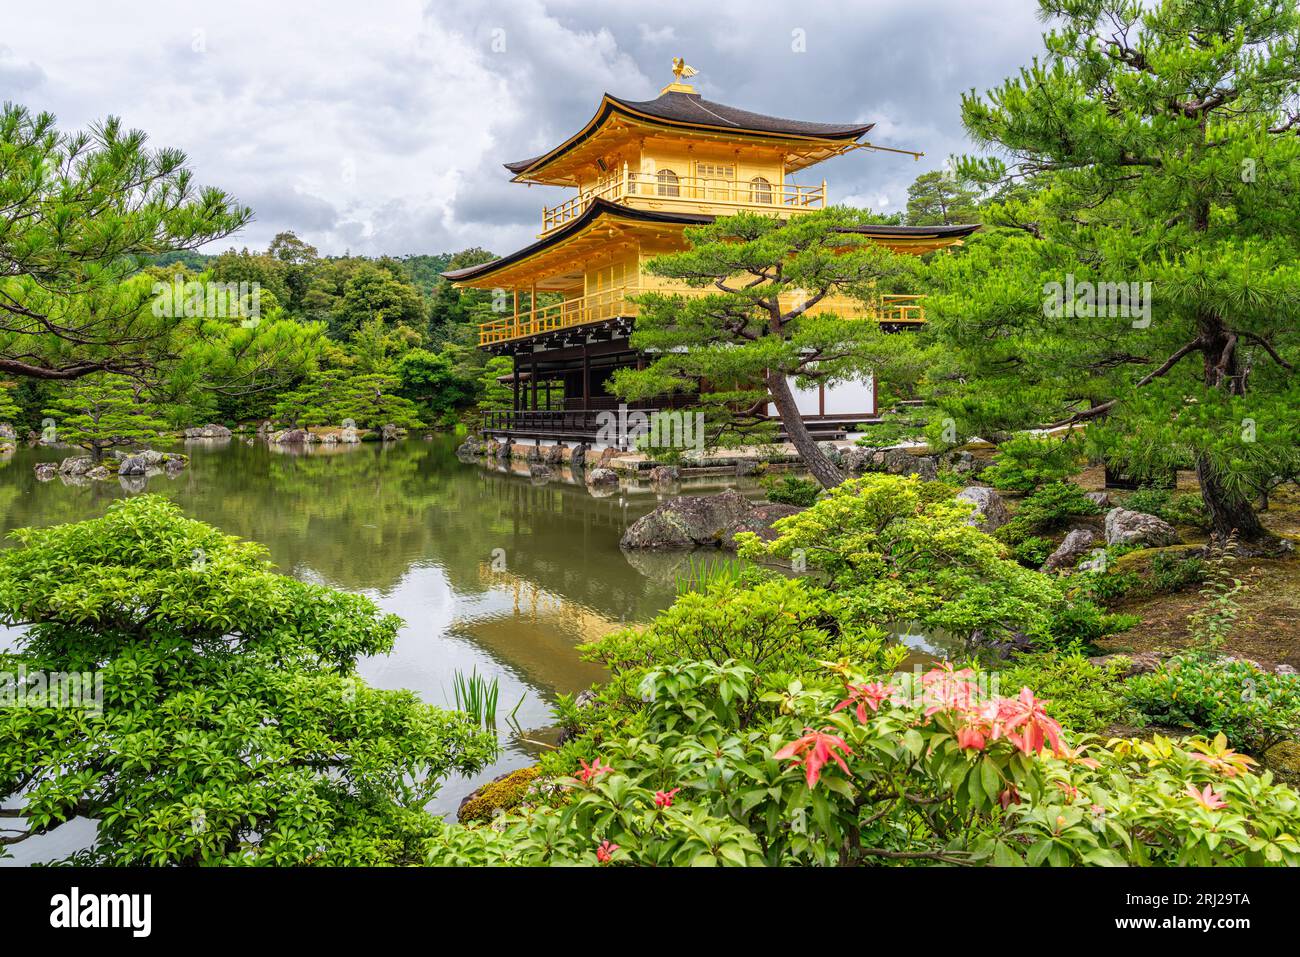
(380, 126)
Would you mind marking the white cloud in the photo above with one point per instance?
(380, 128)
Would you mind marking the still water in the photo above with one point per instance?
(488, 570)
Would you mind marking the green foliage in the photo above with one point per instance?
(1032, 551)
(376, 291)
(747, 337)
(792, 490)
(1174, 509)
(899, 550)
(77, 213)
(1155, 143)
(1171, 572)
(333, 397)
(1049, 509)
(432, 381)
(100, 412)
(233, 727)
(476, 697)
(1084, 697)
(899, 771)
(1025, 462)
(938, 198)
(775, 626)
(1254, 709)
(494, 394)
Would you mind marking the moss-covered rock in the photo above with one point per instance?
(502, 794)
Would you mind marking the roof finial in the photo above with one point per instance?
(680, 72)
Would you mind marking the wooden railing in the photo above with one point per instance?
(687, 189)
(607, 304)
(616, 302)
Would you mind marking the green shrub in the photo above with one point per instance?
(792, 490)
(1171, 572)
(856, 768)
(777, 626)
(1026, 461)
(1108, 585)
(1083, 697)
(1081, 623)
(1254, 709)
(233, 728)
(1049, 509)
(1033, 551)
(897, 549)
(1175, 509)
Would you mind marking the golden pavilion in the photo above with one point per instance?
(641, 172)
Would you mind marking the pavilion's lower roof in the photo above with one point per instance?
(601, 207)
(598, 208)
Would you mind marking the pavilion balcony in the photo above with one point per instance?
(655, 190)
(617, 302)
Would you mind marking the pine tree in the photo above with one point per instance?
(1159, 143)
(101, 412)
(751, 332)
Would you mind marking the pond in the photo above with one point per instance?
(490, 571)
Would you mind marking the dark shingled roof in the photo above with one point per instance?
(599, 207)
(914, 232)
(691, 109)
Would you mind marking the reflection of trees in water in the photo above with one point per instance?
(361, 519)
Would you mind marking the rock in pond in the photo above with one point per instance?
(209, 431)
(664, 475)
(602, 478)
(76, 465)
(45, 471)
(692, 520)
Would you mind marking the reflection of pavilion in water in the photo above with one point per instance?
(535, 630)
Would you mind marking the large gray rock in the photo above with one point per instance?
(1068, 554)
(1137, 528)
(389, 433)
(664, 475)
(688, 521)
(133, 465)
(990, 511)
(602, 477)
(892, 461)
(46, 471)
(759, 520)
(552, 454)
(209, 431)
(832, 452)
(693, 520)
(578, 458)
(292, 437)
(76, 465)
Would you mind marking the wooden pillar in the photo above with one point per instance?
(548, 394)
(515, 404)
(586, 376)
(532, 380)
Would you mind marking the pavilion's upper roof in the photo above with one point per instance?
(690, 111)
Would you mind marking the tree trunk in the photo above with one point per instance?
(1230, 514)
(822, 468)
